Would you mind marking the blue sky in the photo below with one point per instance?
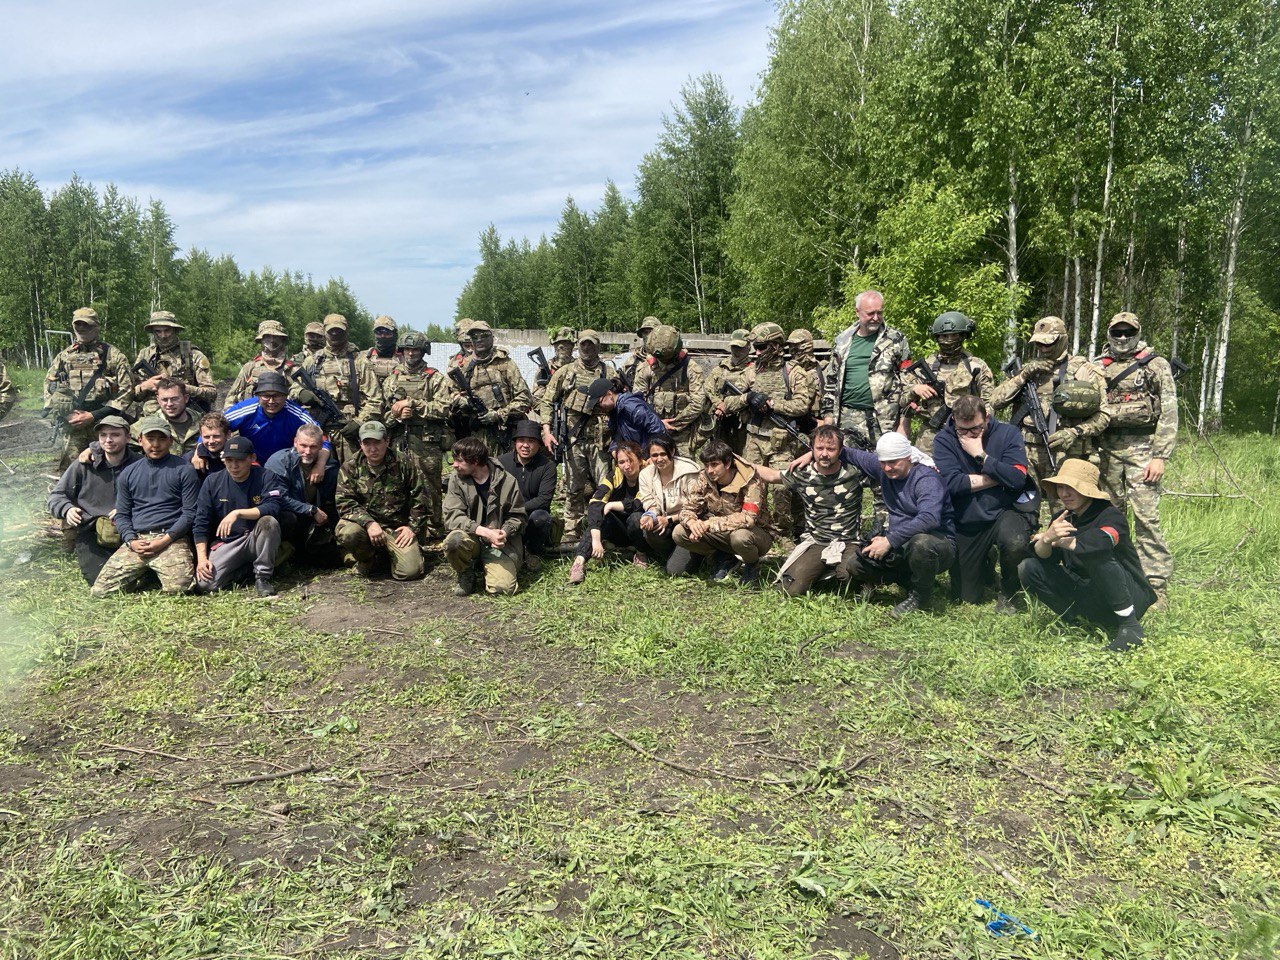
(373, 141)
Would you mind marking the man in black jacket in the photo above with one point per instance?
(983, 463)
(535, 474)
(84, 498)
(236, 524)
(308, 512)
(1085, 565)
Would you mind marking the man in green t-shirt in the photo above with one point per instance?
(866, 362)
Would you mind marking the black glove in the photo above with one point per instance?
(757, 401)
(351, 430)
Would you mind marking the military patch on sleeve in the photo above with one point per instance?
(1019, 466)
(1112, 534)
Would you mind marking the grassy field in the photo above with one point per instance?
(638, 768)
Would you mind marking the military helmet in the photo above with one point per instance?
(953, 321)
(663, 341)
(1077, 399)
(767, 332)
(413, 340)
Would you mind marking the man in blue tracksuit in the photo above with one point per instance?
(983, 463)
(235, 526)
(270, 419)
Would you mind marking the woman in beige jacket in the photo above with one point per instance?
(663, 486)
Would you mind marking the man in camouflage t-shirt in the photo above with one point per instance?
(831, 494)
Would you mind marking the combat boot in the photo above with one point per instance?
(466, 584)
(264, 587)
(749, 574)
(1128, 635)
(914, 601)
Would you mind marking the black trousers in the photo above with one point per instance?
(621, 530)
(537, 532)
(89, 555)
(1010, 533)
(916, 565)
(314, 547)
(1095, 596)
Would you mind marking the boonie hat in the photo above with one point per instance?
(1081, 476)
(373, 430)
(272, 328)
(163, 318)
(562, 334)
(238, 448)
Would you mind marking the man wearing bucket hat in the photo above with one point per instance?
(170, 356)
(313, 343)
(346, 375)
(273, 339)
(84, 498)
(1142, 427)
(87, 381)
(382, 508)
(1085, 565)
(237, 527)
(535, 475)
(155, 508)
(919, 542)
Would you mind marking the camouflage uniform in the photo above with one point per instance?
(393, 497)
(586, 451)
(862, 428)
(965, 374)
(497, 382)
(8, 395)
(382, 366)
(562, 341)
(637, 352)
(800, 347)
(833, 513)
(737, 513)
(1071, 438)
(350, 381)
(790, 393)
(87, 376)
(1142, 407)
(729, 428)
(179, 361)
(673, 385)
(304, 356)
(174, 567)
(423, 433)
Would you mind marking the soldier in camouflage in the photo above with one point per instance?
(496, 381)
(585, 435)
(313, 343)
(273, 340)
(721, 425)
(637, 352)
(1049, 370)
(831, 493)
(1142, 413)
(382, 508)
(8, 395)
(562, 341)
(774, 386)
(382, 356)
(800, 350)
(670, 381)
(959, 372)
(172, 357)
(864, 395)
(418, 398)
(462, 334)
(345, 374)
(87, 381)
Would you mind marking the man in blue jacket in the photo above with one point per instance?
(919, 542)
(270, 419)
(983, 463)
(235, 525)
(630, 416)
(308, 512)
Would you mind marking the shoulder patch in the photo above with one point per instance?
(1112, 534)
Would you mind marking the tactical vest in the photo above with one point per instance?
(1132, 400)
(382, 366)
(421, 384)
(79, 379)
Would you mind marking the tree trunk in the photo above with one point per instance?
(1205, 376)
(1179, 287)
(1106, 214)
(1128, 258)
(1234, 227)
(1011, 268)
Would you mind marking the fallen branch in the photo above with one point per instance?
(142, 751)
(1211, 496)
(260, 777)
(1033, 777)
(1001, 871)
(706, 774)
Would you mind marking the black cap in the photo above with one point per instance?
(270, 381)
(526, 430)
(238, 448)
(596, 390)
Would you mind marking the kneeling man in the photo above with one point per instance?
(236, 527)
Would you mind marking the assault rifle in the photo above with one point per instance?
(145, 370)
(1031, 407)
(544, 368)
(1178, 367)
(478, 409)
(779, 421)
(332, 412)
(926, 373)
(560, 431)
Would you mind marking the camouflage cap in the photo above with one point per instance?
(463, 328)
(563, 334)
(647, 324)
(271, 328)
(163, 318)
(315, 327)
(112, 421)
(85, 315)
(740, 338)
(1125, 317)
(766, 332)
(384, 323)
(589, 336)
(156, 423)
(373, 430)
(800, 335)
(1048, 330)
(335, 320)
(479, 326)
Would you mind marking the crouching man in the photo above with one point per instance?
(382, 507)
(236, 527)
(1085, 565)
(485, 516)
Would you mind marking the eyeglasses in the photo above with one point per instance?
(973, 431)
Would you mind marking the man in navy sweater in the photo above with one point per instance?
(920, 540)
(308, 511)
(235, 524)
(983, 463)
(155, 507)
